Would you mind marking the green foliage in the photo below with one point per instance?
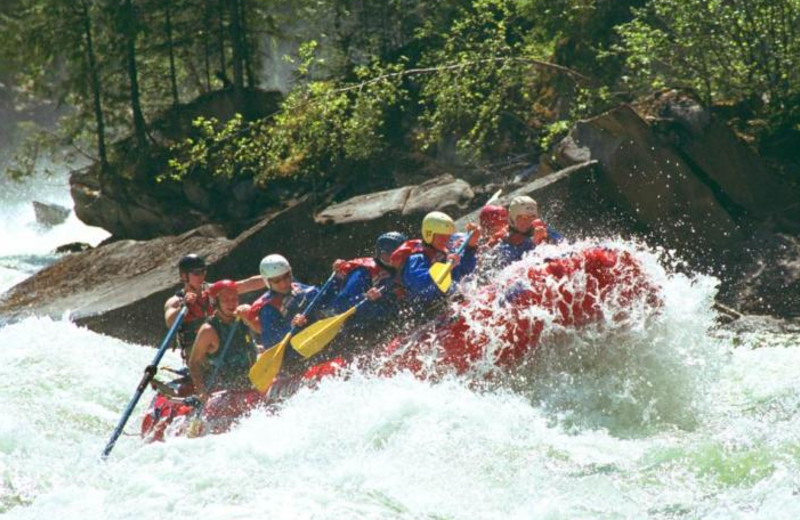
(731, 50)
(477, 83)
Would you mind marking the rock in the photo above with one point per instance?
(50, 215)
(73, 247)
(443, 193)
(771, 283)
(738, 177)
(654, 183)
(364, 208)
(118, 289)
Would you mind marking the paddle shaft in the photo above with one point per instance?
(210, 383)
(149, 372)
(449, 264)
(268, 364)
(310, 306)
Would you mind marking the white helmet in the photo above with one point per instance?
(273, 266)
(522, 205)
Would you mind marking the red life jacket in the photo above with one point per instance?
(368, 263)
(516, 238)
(376, 273)
(201, 308)
(412, 247)
(272, 298)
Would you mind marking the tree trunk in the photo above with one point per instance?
(94, 80)
(248, 59)
(206, 46)
(131, 30)
(238, 50)
(221, 39)
(171, 50)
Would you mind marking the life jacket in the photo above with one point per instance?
(280, 302)
(196, 315)
(413, 247)
(241, 354)
(345, 268)
(516, 238)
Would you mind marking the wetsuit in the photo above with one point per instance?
(354, 278)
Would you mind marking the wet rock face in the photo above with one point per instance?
(444, 193)
(49, 215)
(691, 185)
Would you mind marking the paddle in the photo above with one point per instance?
(195, 422)
(440, 271)
(316, 336)
(149, 373)
(268, 365)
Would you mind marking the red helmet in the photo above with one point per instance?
(221, 285)
(492, 216)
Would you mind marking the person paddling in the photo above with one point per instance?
(373, 278)
(493, 219)
(192, 271)
(228, 367)
(525, 231)
(274, 313)
(416, 257)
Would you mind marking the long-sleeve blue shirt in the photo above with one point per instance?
(350, 292)
(507, 252)
(417, 281)
(279, 310)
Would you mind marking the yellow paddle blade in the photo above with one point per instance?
(440, 273)
(316, 336)
(266, 368)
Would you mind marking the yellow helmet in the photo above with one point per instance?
(522, 205)
(437, 223)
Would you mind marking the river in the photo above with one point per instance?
(670, 417)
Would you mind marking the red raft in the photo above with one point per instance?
(499, 325)
(495, 326)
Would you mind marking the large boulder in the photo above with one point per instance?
(444, 193)
(119, 288)
(653, 182)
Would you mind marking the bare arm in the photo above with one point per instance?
(206, 342)
(251, 284)
(171, 309)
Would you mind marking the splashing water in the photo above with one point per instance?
(646, 413)
(26, 246)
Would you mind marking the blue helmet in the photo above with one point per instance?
(388, 242)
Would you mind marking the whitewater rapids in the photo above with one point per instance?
(668, 417)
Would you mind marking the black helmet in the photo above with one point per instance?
(388, 242)
(191, 262)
